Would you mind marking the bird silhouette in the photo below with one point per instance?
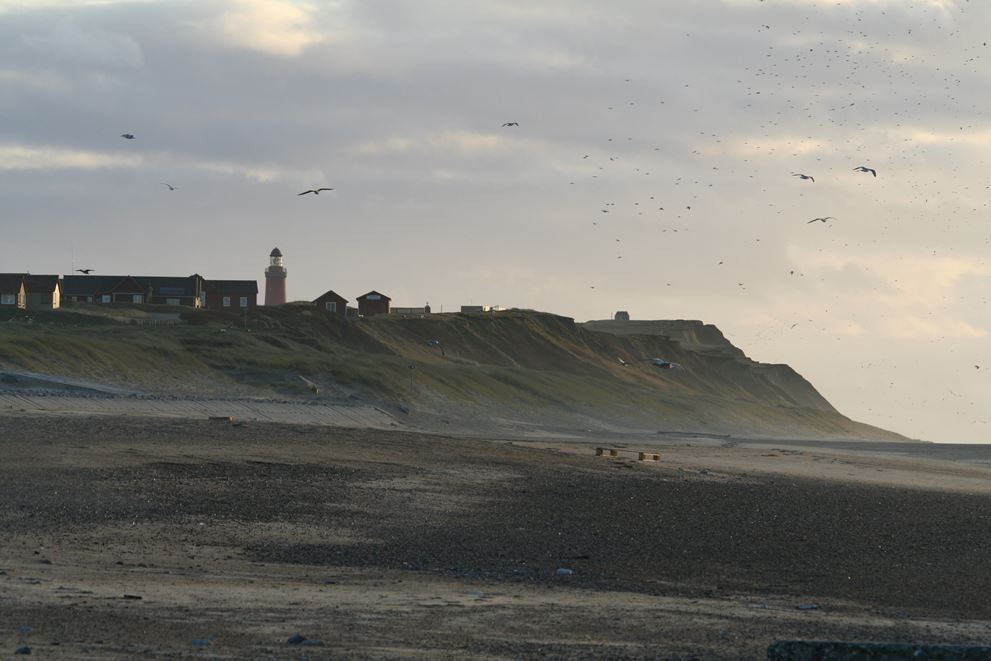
(171, 187)
(511, 124)
(315, 191)
(127, 136)
(820, 220)
(803, 176)
(864, 168)
(85, 271)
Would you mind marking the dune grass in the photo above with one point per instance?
(519, 360)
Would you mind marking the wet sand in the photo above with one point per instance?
(385, 544)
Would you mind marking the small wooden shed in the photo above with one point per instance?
(333, 303)
(373, 303)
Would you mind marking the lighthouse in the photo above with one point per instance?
(275, 279)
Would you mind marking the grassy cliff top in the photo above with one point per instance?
(478, 366)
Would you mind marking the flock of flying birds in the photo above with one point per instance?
(857, 87)
(130, 136)
(823, 219)
(846, 78)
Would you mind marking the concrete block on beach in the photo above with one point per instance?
(648, 456)
(816, 650)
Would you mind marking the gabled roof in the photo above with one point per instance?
(34, 284)
(365, 296)
(88, 285)
(91, 285)
(41, 284)
(171, 286)
(127, 285)
(330, 295)
(232, 286)
(11, 282)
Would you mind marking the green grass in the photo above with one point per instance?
(515, 359)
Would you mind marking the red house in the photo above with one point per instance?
(231, 295)
(333, 303)
(373, 303)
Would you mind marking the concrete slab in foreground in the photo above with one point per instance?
(813, 650)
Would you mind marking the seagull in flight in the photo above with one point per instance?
(803, 176)
(170, 186)
(821, 220)
(511, 124)
(315, 191)
(864, 168)
(85, 271)
(127, 136)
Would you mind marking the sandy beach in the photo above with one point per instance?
(192, 538)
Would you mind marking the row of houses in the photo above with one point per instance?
(36, 292)
(369, 304)
(33, 292)
(374, 303)
(192, 291)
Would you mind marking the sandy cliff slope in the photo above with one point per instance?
(487, 372)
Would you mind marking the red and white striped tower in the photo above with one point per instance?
(275, 279)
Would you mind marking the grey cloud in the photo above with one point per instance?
(399, 106)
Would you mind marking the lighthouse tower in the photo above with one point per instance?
(275, 279)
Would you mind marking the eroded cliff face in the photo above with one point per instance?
(544, 367)
(472, 369)
(722, 367)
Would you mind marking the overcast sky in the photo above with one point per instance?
(651, 170)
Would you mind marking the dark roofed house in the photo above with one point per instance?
(231, 294)
(128, 290)
(104, 289)
(44, 292)
(333, 303)
(12, 292)
(158, 290)
(373, 303)
(175, 291)
(83, 288)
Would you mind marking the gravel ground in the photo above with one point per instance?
(394, 544)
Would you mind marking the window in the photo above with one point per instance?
(227, 301)
(137, 298)
(374, 297)
(8, 299)
(244, 301)
(331, 306)
(105, 298)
